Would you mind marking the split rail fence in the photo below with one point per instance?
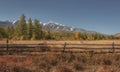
(57, 48)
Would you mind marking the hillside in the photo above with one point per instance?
(5, 23)
(117, 35)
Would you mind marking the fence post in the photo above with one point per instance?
(7, 42)
(64, 48)
(113, 47)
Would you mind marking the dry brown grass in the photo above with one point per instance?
(68, 62)
(61, 63)
(69, 43)
(62, 42)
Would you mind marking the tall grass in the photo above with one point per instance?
(68, 62)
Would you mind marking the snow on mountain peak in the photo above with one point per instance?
(14, 22)
(53, 23)
(71, 29)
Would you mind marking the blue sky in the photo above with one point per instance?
(97, 15)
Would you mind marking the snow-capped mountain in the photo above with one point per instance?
(5, 23)
(56, 26)
(60, 27)
(8, 23)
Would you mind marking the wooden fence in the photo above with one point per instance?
(57, 48)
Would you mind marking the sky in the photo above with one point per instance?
(97, 15)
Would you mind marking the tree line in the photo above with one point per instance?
(32, 30)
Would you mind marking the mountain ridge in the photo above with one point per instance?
(51, 25)
(117, 35)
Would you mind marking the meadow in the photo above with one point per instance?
(62, 62)
(69, 62)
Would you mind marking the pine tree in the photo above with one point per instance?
(29, 29)
(48, 35)
(2, 33)
(21, 31)
(37, 32)
(10, 32)
(84, 36)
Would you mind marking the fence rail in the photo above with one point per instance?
(57, 48)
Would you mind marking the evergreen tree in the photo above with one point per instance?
(96, 36)
(47, 35)
(29, 29)
(10, 32)
(21, 31)
(37, 32)
(2, 33)
(84, 36)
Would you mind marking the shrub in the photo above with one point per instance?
(5, 68)
(63, 69)
(107, 62)
(21, 69)
(78, 67)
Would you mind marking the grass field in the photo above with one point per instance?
(61, 63)
(64, 62)
(74, 45)
(62, 42)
